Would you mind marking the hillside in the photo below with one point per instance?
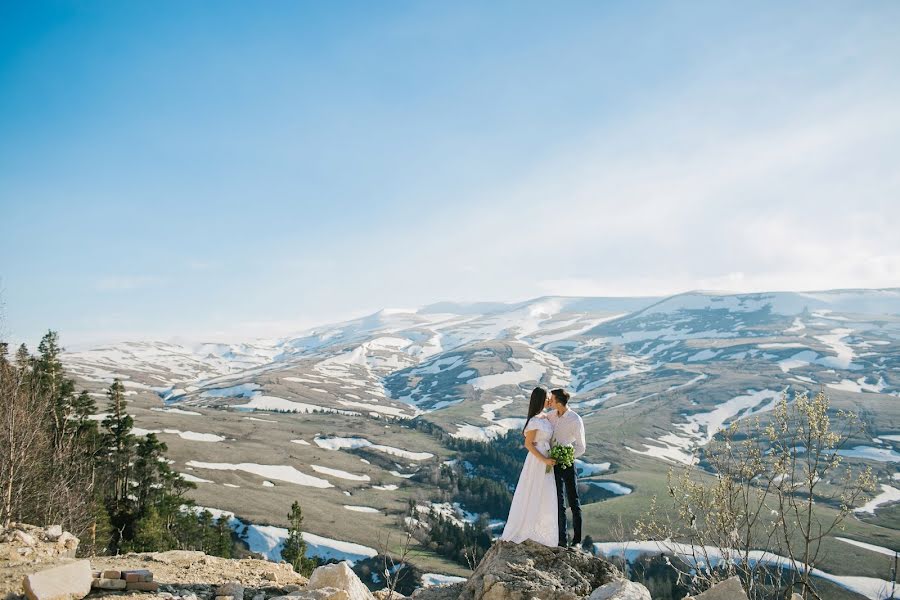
(325, 416)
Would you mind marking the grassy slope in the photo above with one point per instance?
(270, 443)
(837, 557)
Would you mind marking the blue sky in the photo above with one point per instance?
(233, 170)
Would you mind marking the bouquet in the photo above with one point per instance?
(563, 455)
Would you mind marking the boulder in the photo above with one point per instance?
(71, 581)
(386, 594)
(231, 589)
(324, 593)
(730, 589)
(342, 577)
(67, 544)
(52, 533)
(26, 539)
(621, 589)
(529, 570)
(439, 592)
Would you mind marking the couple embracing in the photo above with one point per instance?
(537, 512)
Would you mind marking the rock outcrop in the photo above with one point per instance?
(20, 543)
(70, 581)
(621, 589)
(342, 577)
(508, 571)
(730, 589)
(525, 571)
(386, 594)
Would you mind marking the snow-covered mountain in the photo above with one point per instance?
(470, 366)
(303, 416)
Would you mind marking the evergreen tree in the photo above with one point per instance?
(83, 409)
(119, 444)
(294, 550)
(24, 359)
(223, 541)
(55, 386)
(110, 489)
(150, 534)
(151, 477)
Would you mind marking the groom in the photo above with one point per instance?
(568, 429)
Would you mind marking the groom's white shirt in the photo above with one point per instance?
(568, 429)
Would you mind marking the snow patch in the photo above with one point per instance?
(339, 473)
(277, 472)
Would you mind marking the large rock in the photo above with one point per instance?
(53, 532)
(232, 589)
(621, 589)
(66, 582)
(524, 571)
(730, 589)
(439, 592)
(67, 544)
(325, 593)
(386, 594)
(342, 577)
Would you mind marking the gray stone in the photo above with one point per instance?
(621, 589)
(24, 538)
(67, 544)
(730, 589)
(439, 592)
(342, 577)
(512, 571)
(53, 532)
(65, 582)
(324, 593)
(386, 594)
(105, 583)
(233, 589)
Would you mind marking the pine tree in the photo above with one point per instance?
(151, 476)
(54, 384)
(83, 409)
(294, 550)
(224, 542)
(119, 443)
(150, 534)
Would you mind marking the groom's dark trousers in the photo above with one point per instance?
(567, 481)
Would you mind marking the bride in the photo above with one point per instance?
(533, 515)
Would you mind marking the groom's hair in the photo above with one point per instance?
(561, 395)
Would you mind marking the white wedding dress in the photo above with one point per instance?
(533, 514)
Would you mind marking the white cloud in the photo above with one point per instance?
(807, 203)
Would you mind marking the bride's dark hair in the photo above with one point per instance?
(538, 398)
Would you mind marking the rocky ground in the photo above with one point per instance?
(38, 563)
(25, 549)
